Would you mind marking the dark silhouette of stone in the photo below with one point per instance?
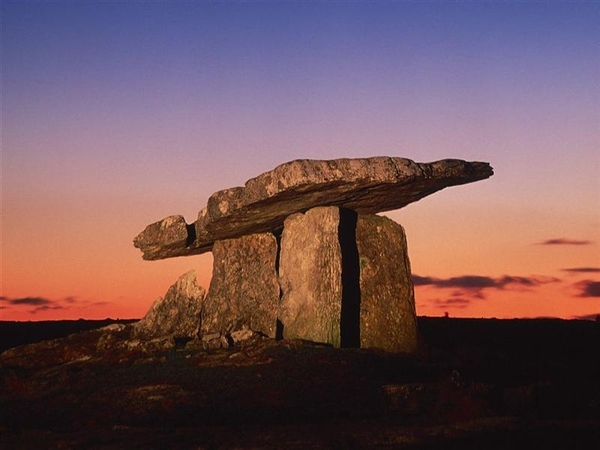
(244, 292)
(366, 185)
(388, 317)
(177, 315)
(310, 275)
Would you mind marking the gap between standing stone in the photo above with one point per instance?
(350, 315)
(278, 323)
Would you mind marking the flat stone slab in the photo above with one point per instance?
(365, 185)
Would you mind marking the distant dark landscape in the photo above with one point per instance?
(475, 383)
(21, 333)
(547, 335)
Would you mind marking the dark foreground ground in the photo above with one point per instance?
(490, 384)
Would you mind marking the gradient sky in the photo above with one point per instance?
(115, 115)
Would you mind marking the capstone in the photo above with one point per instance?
(365, 185)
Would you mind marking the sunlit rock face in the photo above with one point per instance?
(167, 236)
(365, 185)
(244, 292)
(310, 275)
(346, 281)
(176, 315)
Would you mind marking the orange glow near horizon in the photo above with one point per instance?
(561, 293)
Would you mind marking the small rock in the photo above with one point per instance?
(242, 335)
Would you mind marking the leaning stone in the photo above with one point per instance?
(244, 292)
(366, 185)
(388, 318)
(175, 315)
(310, 267)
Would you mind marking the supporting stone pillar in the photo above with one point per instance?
(345, 280)
(388, 318)
(244, 292)
(310, 275)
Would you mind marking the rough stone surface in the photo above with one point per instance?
(168, 236)
(310, 270)
(244, 292)
(366, 185)
(176, 315)
(387, 305)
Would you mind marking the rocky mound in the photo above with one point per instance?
(473, 384)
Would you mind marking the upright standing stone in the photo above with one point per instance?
(346, 281)
(387, 303)
(310, 275)
(244, 292)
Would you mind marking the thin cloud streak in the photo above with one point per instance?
(31, 301)
(456, 302)
(39, 303)
(582, 270)
(46, 308)
(478, 282)
(564, 241)
(588, 288)
(469, 288)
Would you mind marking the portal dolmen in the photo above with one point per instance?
(299, 252)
